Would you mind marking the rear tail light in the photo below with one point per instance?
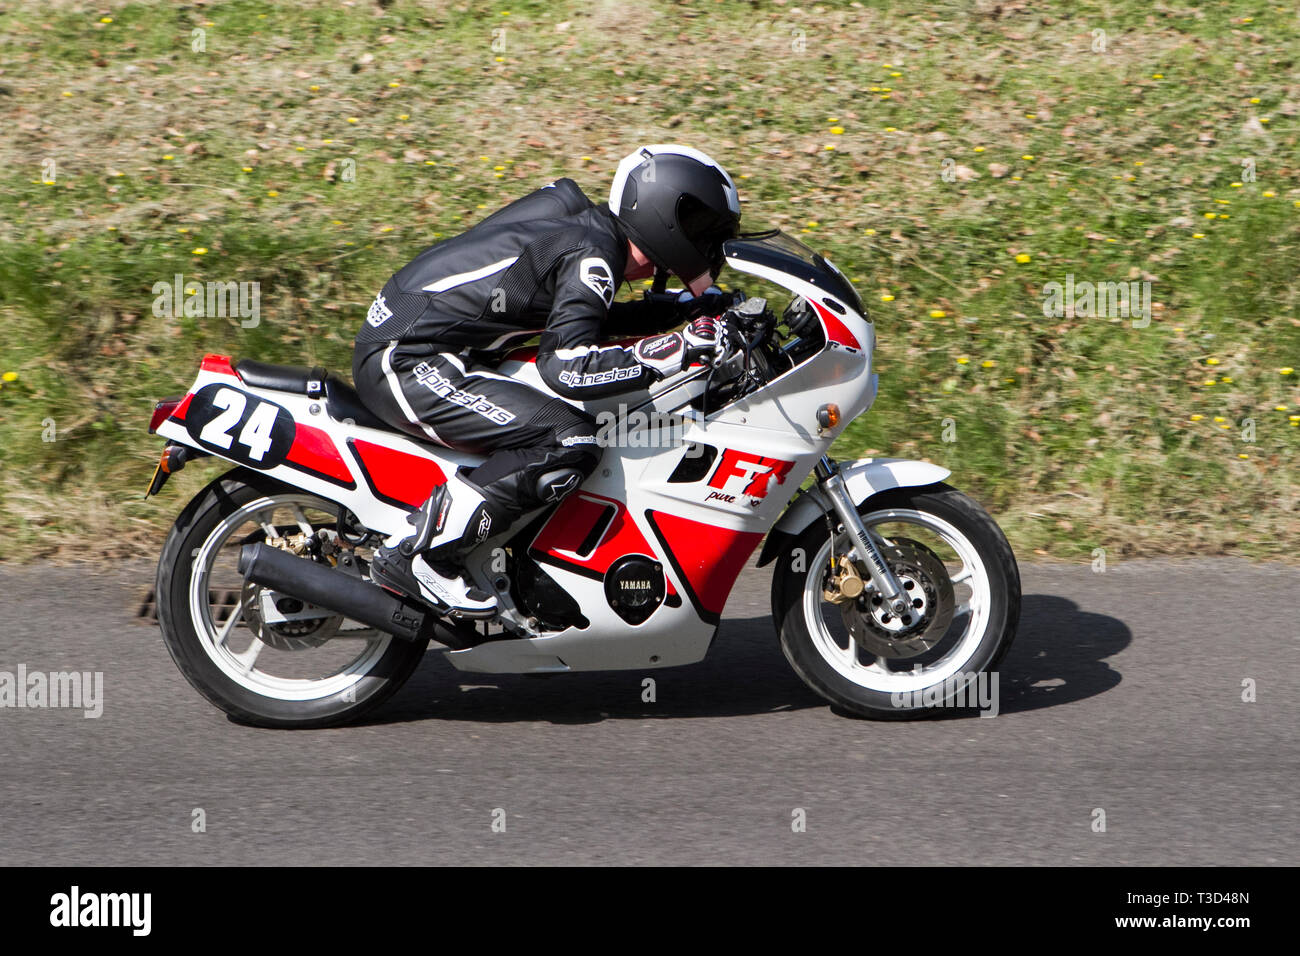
(164, 410)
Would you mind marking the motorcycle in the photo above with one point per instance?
(891, 590)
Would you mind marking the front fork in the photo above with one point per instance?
(864, 544)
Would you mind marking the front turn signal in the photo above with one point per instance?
(828, 416)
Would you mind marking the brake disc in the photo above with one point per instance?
(928, 587)
(285, 635)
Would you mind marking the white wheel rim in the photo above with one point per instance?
(877, 676)
(239, 667)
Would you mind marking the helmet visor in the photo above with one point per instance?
(706, 229)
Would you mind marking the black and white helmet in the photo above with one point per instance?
(678, 206)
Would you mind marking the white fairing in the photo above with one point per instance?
(700, 528)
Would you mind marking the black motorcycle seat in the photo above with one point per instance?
(341, 399)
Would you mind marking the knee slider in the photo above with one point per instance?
(555, 484)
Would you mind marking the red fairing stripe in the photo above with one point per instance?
(575, 518)
(397, 475)
(314, 449)
(836, 331)
(709, 557)
(179, 414)
(219, 364)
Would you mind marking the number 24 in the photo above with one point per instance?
(256, 434)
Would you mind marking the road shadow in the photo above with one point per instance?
(1059, 655)
(1058, 658)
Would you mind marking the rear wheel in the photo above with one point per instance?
(960, 577)
(265, 658)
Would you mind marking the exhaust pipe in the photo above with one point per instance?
(338, 591)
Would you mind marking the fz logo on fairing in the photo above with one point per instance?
(598, 277)
(756, 471)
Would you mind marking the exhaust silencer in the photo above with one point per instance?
(337, 591)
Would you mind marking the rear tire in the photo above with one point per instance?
(834, 667)
(201, 648)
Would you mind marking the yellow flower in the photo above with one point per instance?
(1224, 215)
(1254, 99)
(1286, 371)
(1157, 76)
(1293, 418)
(832, 119)
(500, 59)
(199, 251)
(868, 232)
(404, 116)
(386, 229)
(313, 88)
(1023, 257)
(1226, 380)
(298, 148)
(979, 149)
(1210, 382)
(247, 169)
(353, 119)
(1235, 185)
(895, 74)
(1279, 408)
(10, 376)
(1268, 194)
(272, 193)
(813, 223)
(937, 313)
(168, 156)
(886, 298)
(1243, 456)
(105, 19)
(1219, 418)
(1211, 361)
(67, 92)
(1263, 119)
(1210, 215)
(1197, 418)
(891, 129)
(988, 363)
(963, 360)
(1198, 235)
(498, 168)
(394, 84)
(1029, 156)
(837, 130)
(828, 146)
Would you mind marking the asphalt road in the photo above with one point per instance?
(1123, 692)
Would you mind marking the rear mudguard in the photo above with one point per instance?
(863, 478)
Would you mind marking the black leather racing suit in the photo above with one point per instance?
(546, 264)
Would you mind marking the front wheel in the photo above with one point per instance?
(264, 658)
(959, 575)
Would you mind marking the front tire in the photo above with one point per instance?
(251, 670)
(846, 655)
